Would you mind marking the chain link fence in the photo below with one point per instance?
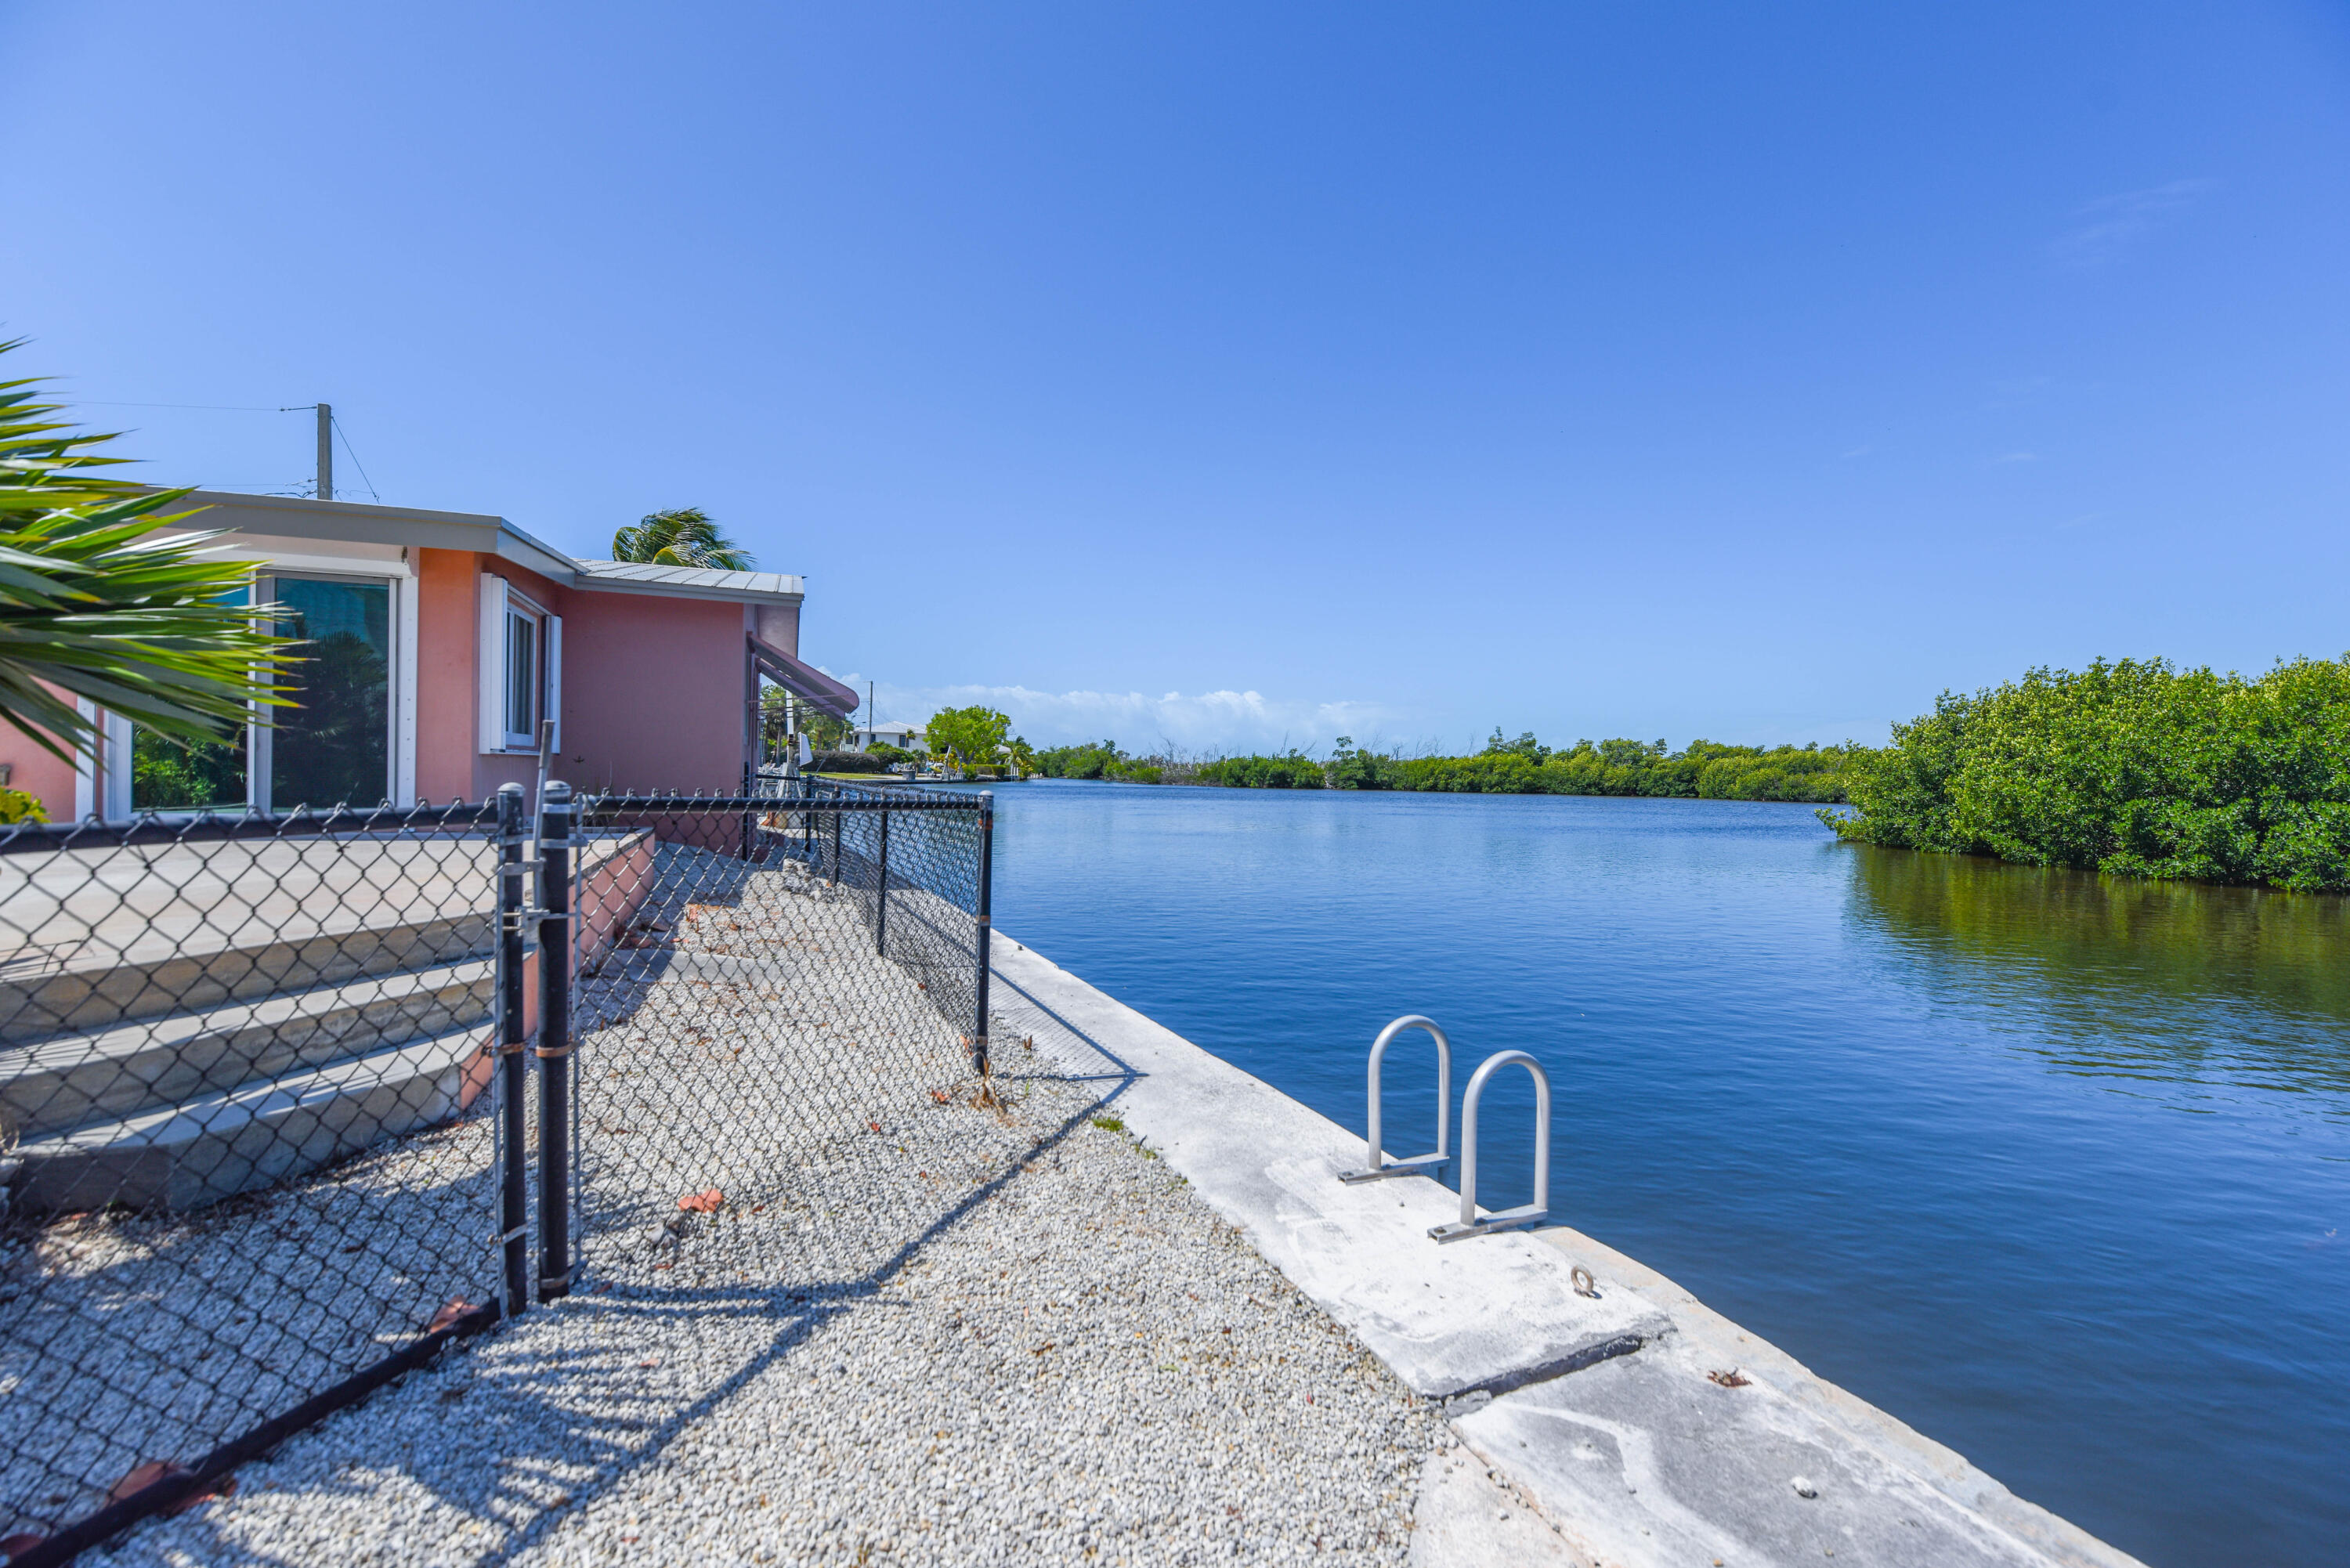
(288, 1102)
(781, 1073)
(243, 1071)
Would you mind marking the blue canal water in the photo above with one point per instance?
(2053, 1167)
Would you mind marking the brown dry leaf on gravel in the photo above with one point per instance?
(701, 1202)
(141, 1477)
(451, 1311)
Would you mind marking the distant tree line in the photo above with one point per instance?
(2134, 768)
(1099, 760)
(1524, 766)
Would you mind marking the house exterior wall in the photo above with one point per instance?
(655, 693)
(654, 689)
(33, 770)
(448, 583)
(777, 626)
(656, 682)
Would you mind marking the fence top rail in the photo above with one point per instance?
(211, 828)
(892, 786)
(610, 805)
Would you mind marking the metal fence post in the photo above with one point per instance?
(555, 1042)
(513, 1067)
(835, 878)
(986, 890)
(881, 889)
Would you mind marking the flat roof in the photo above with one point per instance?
(371, 523)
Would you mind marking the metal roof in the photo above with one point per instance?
(798, 675)
(702, 582)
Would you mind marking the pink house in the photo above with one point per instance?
(441, 641)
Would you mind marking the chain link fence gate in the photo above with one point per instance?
(246, 1139)
(266, 1134)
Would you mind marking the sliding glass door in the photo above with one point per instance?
(207, 775)
(335, 746)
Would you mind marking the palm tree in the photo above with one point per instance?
(682, 537)
(95, 603)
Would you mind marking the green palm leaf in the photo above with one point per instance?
(684, 536)
(97, 602)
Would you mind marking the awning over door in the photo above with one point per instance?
(804, 679)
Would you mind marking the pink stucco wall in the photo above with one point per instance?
(447, 689)
(31, 769)
(654, 693)
(654, 689)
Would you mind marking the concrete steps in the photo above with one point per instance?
(92, 994)
(53, 1086)
(183, 1024)
(180, 1025)
(188, 1155)
(102, 937)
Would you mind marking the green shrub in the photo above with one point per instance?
(1522, 766)
(1292, 770)
(976, 737)
(1359, 767)
(2134, 768)
(1090, 761)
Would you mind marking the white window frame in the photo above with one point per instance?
(399, 751)
(102, 772)
(500, 604)
(102, 779)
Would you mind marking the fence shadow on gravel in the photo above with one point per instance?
(542, 1409)
(284, 1087)
(797, 1315)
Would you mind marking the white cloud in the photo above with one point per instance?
(1203, 722)
(2111, 224)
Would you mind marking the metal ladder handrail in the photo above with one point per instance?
(1379, 1165)
(1509, 1218)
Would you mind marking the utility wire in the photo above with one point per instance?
(337, 421)
(214, 408)
(250, 409)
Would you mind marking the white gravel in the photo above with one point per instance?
(973, 1335)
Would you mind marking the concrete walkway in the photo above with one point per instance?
(1642, 1427)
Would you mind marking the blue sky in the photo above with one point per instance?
(1243, 373)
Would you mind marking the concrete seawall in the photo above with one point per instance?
(1641, 1427)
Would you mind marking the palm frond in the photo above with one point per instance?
(98, 602)
(684, 536)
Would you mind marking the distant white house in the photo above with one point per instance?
(905, 737)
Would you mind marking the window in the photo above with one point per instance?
(522, 669)
(335, 745)
(171, 775)
(523, 642)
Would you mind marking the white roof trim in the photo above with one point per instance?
(359, 523)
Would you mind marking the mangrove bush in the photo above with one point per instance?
(2133, 767)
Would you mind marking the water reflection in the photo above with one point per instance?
(2175, 982)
